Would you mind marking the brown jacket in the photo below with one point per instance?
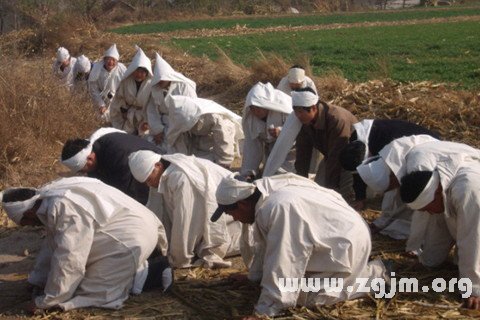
(329, 134)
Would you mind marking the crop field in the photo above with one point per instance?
(302, 20)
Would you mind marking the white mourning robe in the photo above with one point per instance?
(258, 142)
(98, 241)
(66, 76)
(304, 230)
(284, 86)
(128, 97)
(187, 190)
(102, 85)
(459, 168)
(203, 128)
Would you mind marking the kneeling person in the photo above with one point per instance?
(183, 196)
(301, 230)
(97, 244)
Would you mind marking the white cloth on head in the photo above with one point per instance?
(187, 200)
(304, 99)
(112, 52)
(395, 152)
(16, 209)
(284, 85)
(139, 60)
(130, 98)
(258, 142)
(334, 242)
(375, 174)
(427, 194)
(83, 65)
(78, 161)
(231, 190)
(363, 129)
(163, 71)
(99, 239)
(62, 54)
(296, 75)
(142, 163)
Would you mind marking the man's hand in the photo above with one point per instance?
(472, 303)
(102, 110)
(158, 138)
(274, 132)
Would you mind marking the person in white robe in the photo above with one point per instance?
(301, 230)
(81, 72)
(264, 114)
(63, 67)
(104, 80)
(166, 81)
(444, 181)
(183, 196)
(381, 174)
(203, 128)
(96, 246)
(295, 79)
(127, 110)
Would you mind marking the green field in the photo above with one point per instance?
(299, 20)
(444, 52)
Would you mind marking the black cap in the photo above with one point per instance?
(221, 209)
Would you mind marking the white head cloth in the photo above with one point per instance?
(163, 71)
(139, 60)
(375, 174)
(296, 75)
(142, 163)
(62, 54)
(16, 209)
(112, 52)
(304, 99)
(428, 194)
(363, 129)
(83, 64)
(78, 161)
(231, 190)
(264, 95)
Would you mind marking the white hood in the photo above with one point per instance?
(164, 72)
(139, 60)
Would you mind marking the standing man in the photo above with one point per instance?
(302, 231)
(105, 156)
(96, 246)
(315, 125)
(104, 81)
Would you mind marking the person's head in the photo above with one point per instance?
(352, 155)
(63, 57)
(140, 74)
(422, 190)
(236, 197)
(78, 156)
(21, 205)
(258, 112)
(296, 77)
(305, 105)
(375, 173)
(164, 84)
(109, 63)
(147, 167)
